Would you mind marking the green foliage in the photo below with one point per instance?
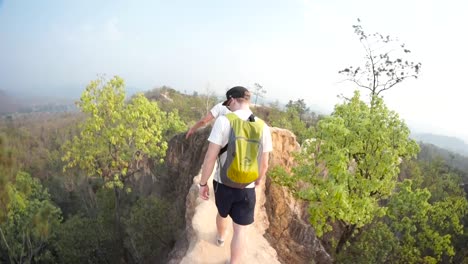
(296, 118)
(69, 195)
(190, 108)
(351, 165)
(32, 221)
(425, 217)
(148, 233)
(414, 230)
(291, 121)
(456, 162)
(449, 197)
(34, 141)
(360, 148)
(280, 176)
(114, 134)
(258, 91)
(299, 107)
(113, 138)
(79, 241)
(376, 244)
(90, 238)
(6, 166)
(422, 226)
(441, 180)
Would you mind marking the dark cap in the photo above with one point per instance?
(237, 92)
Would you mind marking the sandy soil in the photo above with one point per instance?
(203, 248)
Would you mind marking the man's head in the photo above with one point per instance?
(238, 94)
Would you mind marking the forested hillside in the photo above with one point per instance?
(110, 115)
(72, 208)
(8, 104)
(72, 216)
(370, 194)
(456, 161)
(85, 186)
(445, 142)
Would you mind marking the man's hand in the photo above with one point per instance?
(207, 168)
(190, 132)
(205, 120)
(204, 192)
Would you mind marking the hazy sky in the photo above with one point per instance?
(294, 48)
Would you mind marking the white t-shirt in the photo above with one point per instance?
(219, 110)
(220, 136)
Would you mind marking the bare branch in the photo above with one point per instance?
(381, 71)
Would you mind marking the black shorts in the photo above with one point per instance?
(237, 203)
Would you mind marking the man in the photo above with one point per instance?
(238, 203)
(217, 110)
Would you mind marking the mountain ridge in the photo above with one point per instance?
(8, 103)
(450, 143)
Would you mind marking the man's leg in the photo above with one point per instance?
(221, 225)
(238, 242)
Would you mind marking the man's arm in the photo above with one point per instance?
(263, 168)
(202, 122)
(207, 169)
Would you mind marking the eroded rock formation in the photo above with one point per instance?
(289, 231)
(283, 221)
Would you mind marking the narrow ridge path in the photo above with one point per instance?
(203, 248)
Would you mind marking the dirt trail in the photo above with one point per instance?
(203, 248)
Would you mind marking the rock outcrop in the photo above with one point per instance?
(281, 233)
(289, 231)
(184, 159)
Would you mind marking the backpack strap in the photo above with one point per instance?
(222, 150)
(229, 116)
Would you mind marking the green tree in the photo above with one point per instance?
(385, 63)
(299, 107)
(115, 135)
(413, 231)
(31, 224)
(258, 91)
(447, 194)
(148, 234)
(424, 228)
(190, 107)
(6, 167)
(79, 241)
(351, 165)
(376, 244)
(296, 118)
(291, 120)
(440, 181)
(91, 238)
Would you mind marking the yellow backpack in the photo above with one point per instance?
(243, 151)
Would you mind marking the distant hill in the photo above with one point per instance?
(8, 103)
(14, 103)
(430, 152)
(446, 142)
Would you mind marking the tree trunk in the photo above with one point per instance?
(119, 243)
(126, 256)
(345, 236)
